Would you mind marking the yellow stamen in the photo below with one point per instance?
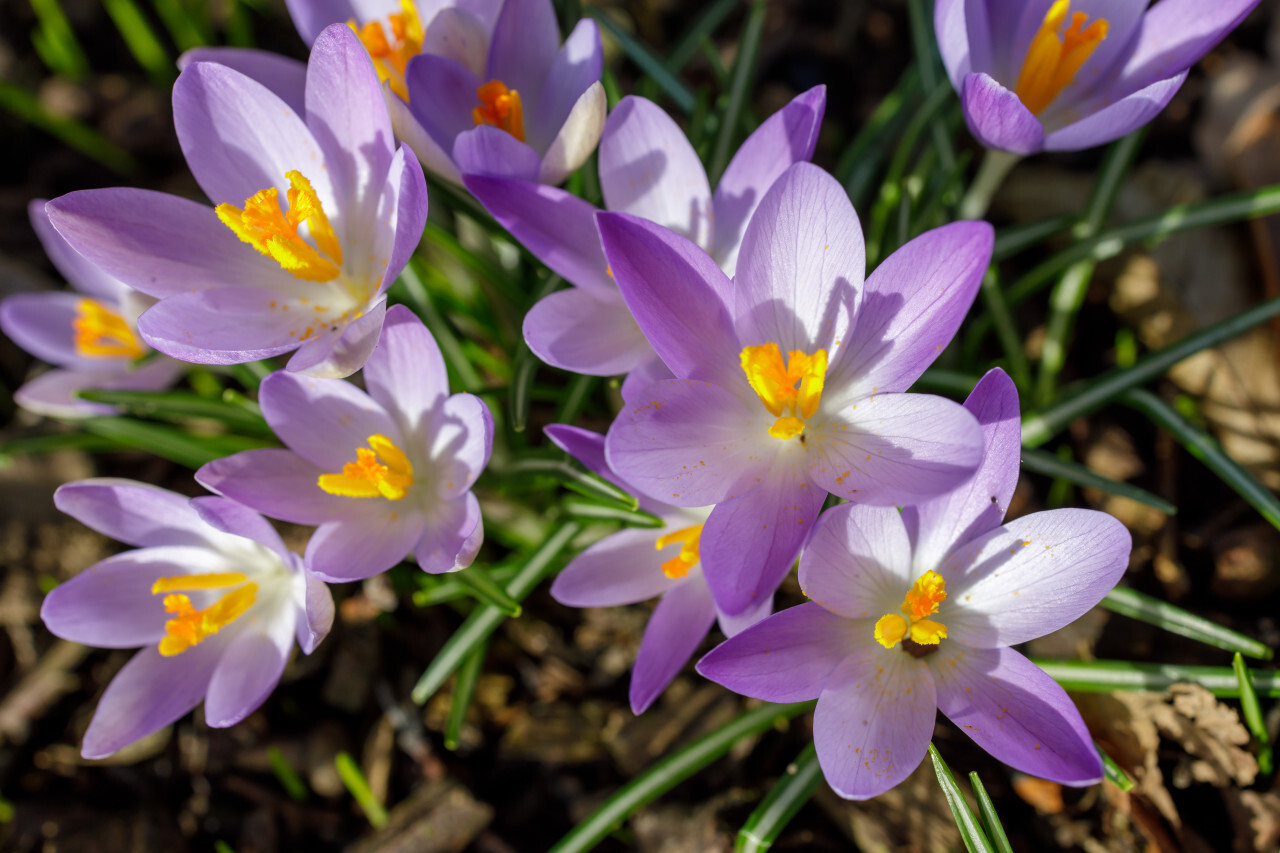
(275, 233)
(500, 107)
(383, 471)
(102, 333)
(920, 602)
(791, 391)
(1052, 61)
(189, 627)
(191, 583)
(391, 56)
(679, 565)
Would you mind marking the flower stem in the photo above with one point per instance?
(995, 167)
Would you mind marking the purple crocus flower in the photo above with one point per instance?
(914, 612)
(533, 110)
(648, 169)
(634, 565)
(91, 335)
(383, 474)
(789, 379)
(315, 218)
(211, 595)
(1059, 75)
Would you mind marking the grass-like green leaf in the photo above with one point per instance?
(442, 589)
(975, 840)
(141, 40)
(593, 511)
(480, 584)
(990, 819)
(744, 67)
(1175, 620)
(358, 787)
(74, 134)
(644, 59)
(287, 776)
(1251, 710)
(168, 442)
(708, 22)
(243, 417)
(464, 689)
(781, 804)
(1104, 676)
(575, 479)
(1051, 466)
(56, 42)
(1016, 238)
(1113, 772)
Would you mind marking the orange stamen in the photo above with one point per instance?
(1053, 61)
(501, 108)
(102, 333)
(791, 391)
(274, 233)
(679, 565)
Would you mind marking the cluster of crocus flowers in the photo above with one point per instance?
(315, 217)
(90, 335)
(1062, 75)
(914, 612)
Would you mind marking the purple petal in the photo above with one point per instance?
(134, 513)
(1175, 34)
(237, 519)
(997, 118)
(523, 48)
(577, 137)
(461, 440)
(750, 541)
(53, 394)
(158, 243)
(275, 482)
(586, 331)
(649, 169)
(486, 150)
(938, 526)
(799, 276)
(229, 325)
(675, 630)
(559, 229)
(858, 562)
(454, 534)
(323, 420)
(249, 670)
(912, 306)
(638, 381)
(1033, 575)
(896, 449)
(582, 444)
(731, 625)
(459, 35)
(1117, 119)
(577, 65)
(406, 373)
(317, 616)
(674, 290)
(149, 693)
(955, 22)
(284, 76)
(1016, 712)
(442, 95)
(43, 325)
(784, 658)
(788, 136)
(312, 16)
(79, 272)
(622, 568)
(370, 538)
(874, 720)
(687, 445)
(338, 355)
(404, 208)
(239, 138)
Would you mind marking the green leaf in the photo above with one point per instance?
(486, 618)
(415, 290)
(1251, 709)
(480, 584)
(990, 820)
(81, 137)
(442, 589)
(646, 61)
(862, 157)
(358, 787)
(1104, 676)
(58, 46)
(170, 443)
(671, 771)
(464, 688)
(611, 512)
(575, 479)
(1015, 238)
(744, 67)
(781, 804)
(188, 31)
(1051, 466)
(707, 23)
(39, 444)
(241, 415)
(975, 840)
(141, 39)
(1175, 620)
(289, 778)
(1113, 772)
(925, 46)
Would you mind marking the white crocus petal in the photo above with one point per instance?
(577, 138)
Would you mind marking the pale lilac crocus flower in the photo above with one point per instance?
(315, 218)
(1061, 75)
(915, 612)
(790, 379)
(634, 565)
(532, 110)
(383, 474)
(648, 169)
(211, 595)
(90, 335)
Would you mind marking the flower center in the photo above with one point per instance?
(500, 107)
(679, 565)
(102, 333)
(920, 602)
(790, 391)
(390, 56)
(189, 627)
(383, 471)
(1052, 60)
(274, 233)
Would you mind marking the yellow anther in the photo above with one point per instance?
(1052, 61)
(679, 565)
(191, 583)
(500, 107)
(791, 391)
(391, 56)
(920, 602)
(383, 471)
(102, 333)
(275, 233)
(189, 627)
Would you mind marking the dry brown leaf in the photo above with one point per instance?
(1209, 731)
(1256, 818)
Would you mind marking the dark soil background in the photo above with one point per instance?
(550, 736)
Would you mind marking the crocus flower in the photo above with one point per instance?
(914, 612)
(648, 169)
(90, 335)
(1059, 75)
(383, 474)
(633, 565)
(315, 218)
(211, 595)
(532, 110)
(789, 379)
